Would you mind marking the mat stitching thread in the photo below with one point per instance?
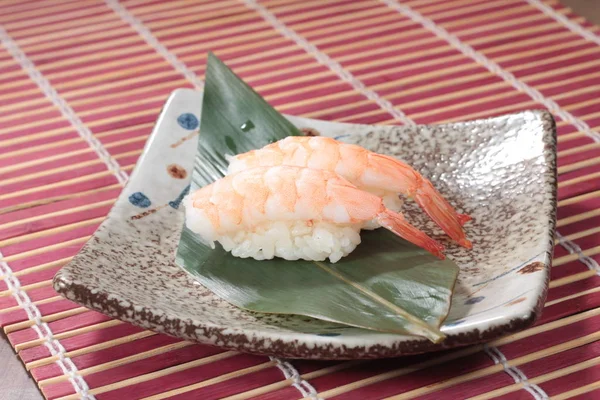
(514, 372)
(493, 67)
(573, 248)
(305, 388)
(44, 332)
(571, 25)
(147, 35)
(329, 62)
(46, 87)
(288, 370)
(41, 328)
(521, 86)
(358, 86)
(68, 367)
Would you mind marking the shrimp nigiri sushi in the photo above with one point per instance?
(381, 175)
(293, 213)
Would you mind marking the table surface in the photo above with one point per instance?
(17, 384)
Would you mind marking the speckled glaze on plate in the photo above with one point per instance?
(501, 171)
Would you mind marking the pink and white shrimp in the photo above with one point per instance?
(378, 174)
(292, 213)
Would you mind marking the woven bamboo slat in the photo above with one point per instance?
(116, 82)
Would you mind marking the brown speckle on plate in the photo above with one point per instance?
(176, 171)
(502, 171)
(310, 132)
(517, 301)
(531, 268)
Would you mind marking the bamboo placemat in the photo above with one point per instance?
(82, 81)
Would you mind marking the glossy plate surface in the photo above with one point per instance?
(501, 171)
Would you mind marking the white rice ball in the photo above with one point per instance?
(294, 240)
(291, 240)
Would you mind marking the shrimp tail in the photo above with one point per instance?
(396, 223)
(412, 184)
(463, 218)
(440, 211)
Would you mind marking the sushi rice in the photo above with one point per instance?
(290, 240)
(292, 213)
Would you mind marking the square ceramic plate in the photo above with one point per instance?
(501, 171)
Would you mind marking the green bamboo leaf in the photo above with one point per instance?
(386, 284)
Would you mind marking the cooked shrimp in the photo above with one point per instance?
(376, 173)
(252, 201)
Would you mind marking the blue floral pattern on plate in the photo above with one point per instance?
(139, 199)
(188, 121)
(145, 223)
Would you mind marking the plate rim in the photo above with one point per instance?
(82, 293)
